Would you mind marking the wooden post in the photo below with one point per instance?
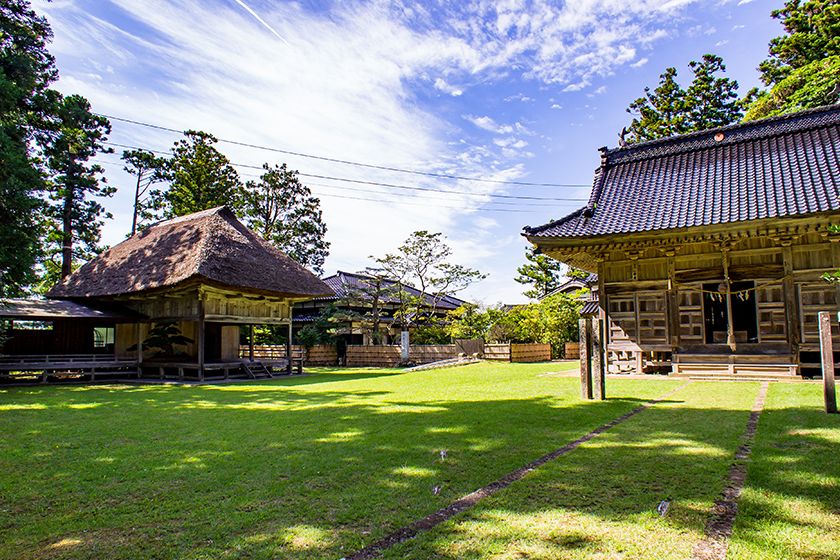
(730, 327)
(139, 350)
(200, 343)
(827, 353)
(251, 343)
(598, 364)
(791, 307)
(289, 348)
(585, 324)
(673, 303)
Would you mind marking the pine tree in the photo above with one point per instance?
(711, 100)
(541, 272)
(283, 211)
(75, 216)
(803, 69)
(200, 177)
(26, 71)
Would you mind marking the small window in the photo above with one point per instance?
(103, 337)
(32, 325)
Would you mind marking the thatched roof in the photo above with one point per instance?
(212, 247)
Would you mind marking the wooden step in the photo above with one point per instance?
(256, 370)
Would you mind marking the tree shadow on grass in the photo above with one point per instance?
(167, 472)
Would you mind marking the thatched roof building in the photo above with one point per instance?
(210, 247)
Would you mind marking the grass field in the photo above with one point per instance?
(321, 465)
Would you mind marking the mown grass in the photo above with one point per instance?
(790, 508)
(310, 467)
(600, 501)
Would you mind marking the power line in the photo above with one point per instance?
(350, 162)
(375, 183)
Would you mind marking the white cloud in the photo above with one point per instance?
(519, 97)
(440, 84)
(722, 42)
(639, 63)
(341, 85)
(742, 2)
(556, 106)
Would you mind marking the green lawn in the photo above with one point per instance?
(321, 465)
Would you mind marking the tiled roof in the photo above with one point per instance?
(47, 309)
(772, 168)
(590, 308)
(349, 285)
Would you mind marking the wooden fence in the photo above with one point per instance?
(322, 355)
(530, 352)
(389, 356)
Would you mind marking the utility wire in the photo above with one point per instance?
(348, 162)
(374, 183)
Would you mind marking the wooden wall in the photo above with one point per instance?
(638, 283)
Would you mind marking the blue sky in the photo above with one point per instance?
(512, 91)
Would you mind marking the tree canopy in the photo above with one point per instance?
(803, 67)
(711, 100)
(542, 273)
(26, 71)
(283, 211)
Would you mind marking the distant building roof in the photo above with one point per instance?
(348, 285)
(778, 167)
(572, 285)
(210, 246)
(45, 310)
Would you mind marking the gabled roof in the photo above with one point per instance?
(574, 284)
(778, 167)
(45, 310)
(210, 246)
(349, 285)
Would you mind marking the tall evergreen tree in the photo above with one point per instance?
(26, 70)
(283, 211)
(74, 215)
(541, 272)
(711, 100)
(148, 169)
(200, 177)
(803, 69)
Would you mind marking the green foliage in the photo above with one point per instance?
(711, 100)
(433, 332)
(471, 321)
(26, 70)
(322, 329)
(74, 216)
(541, 272)
(803, 69)
(812, 32)
(553, 320)
(164, 337)
(200, 177)
(148, 169)
(371, 293)
(283, 211)
(422, 262)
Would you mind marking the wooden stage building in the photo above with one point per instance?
(199, 278)
(711, 248)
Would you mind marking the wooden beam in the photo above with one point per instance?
(827, 353)
(289, 351)
(673, 303)
(585, 325)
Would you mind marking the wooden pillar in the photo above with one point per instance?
(200, 342)
(139, 350)
(251, 343)
(289, 348)
(673, 304)
(585, 324)
(730, 328)
(791, 304)
(600, 340)
(598, 365)
(827, 354)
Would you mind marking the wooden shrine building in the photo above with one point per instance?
(711, 247)
(205, 273)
